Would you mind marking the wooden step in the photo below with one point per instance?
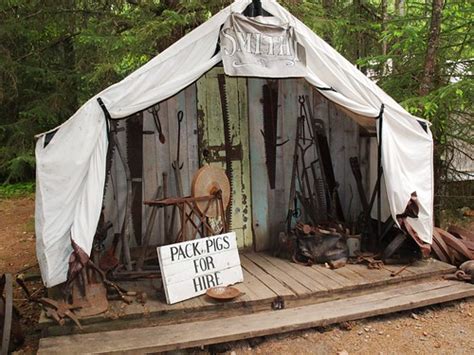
(186, 335)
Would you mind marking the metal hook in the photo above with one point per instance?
(176, 164)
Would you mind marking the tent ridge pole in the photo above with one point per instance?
(106, 114)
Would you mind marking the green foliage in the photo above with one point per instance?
(23, 189)
(54, 55)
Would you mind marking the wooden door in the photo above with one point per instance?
(223, 136)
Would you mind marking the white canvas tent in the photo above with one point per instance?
(71, 167)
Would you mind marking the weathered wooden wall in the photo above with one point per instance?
(270, 206)
(212, 142)
(157, 161)
(259, 212)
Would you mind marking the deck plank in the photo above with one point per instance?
(258, 290)
(319, 276)
(431, 267)
(351, 275)
(370, 275)
(286, 279)
(268, 280)
(299, 272)
(260, 282)
(343, 281)
(190, 334)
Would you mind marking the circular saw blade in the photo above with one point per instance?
(207, 181)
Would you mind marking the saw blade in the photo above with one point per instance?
(134, 151)
(228, 143)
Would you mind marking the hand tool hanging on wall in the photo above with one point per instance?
(156, 118)
(300, 178)
(292, 203)
(134, 132)
(270, 128)
(228, 140)
(177, 164)
(150, 223)
(319, 191)
(355, 167)
(125, 230)
(318, 133)
(366, 225)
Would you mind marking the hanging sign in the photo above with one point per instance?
(252, 48)
(188, 269)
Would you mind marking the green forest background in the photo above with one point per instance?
(54, 55)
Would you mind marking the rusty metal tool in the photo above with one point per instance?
(127, 228)
(270, 128)
(292, 203)
(228, 139)
(456, 244)
(355, 167)
(148, 231)
(156, 118)
(324, 154)
(177, 164)
(58, 310)
(396, 273)
(108, 260)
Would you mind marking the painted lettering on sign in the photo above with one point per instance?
(190, 268)
(258, 43)
(252, 48)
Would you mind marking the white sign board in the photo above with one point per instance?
(252, 48)
(190, 268)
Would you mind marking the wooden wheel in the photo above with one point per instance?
(210, 180)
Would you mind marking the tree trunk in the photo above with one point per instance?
(400, 7)
(426, 85)
(427, 79)
(360, 42)
(384, 41)
(70, 65)
(328, 11)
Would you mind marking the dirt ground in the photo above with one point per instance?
(442, 329)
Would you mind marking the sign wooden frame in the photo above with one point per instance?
(189, 269)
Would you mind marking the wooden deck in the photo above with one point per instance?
(162, 338)
(265, 279)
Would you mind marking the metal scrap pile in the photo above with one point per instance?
(454, 246)
(316, 226)
(321, 244)
(318, 235)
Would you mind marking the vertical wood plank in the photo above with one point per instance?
(288, 112)
(191, 129)
(119, 180)
(259, 176)
(351, 202)
(184, 139)
(150, 171)
(321, 109)
(212, 137)
(172, 110)
(163, 163)
(245, 179)
(337, 147)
